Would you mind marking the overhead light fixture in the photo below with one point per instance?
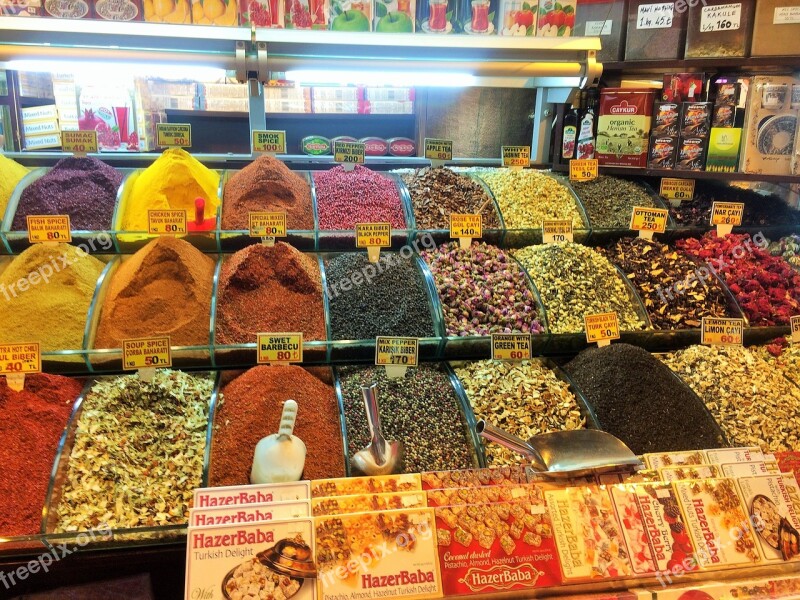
(381, 78)
(118, 70)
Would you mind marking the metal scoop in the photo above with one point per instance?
(562, 454)
(380, 457)
(280, 456)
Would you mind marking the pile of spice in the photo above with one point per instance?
(609, 201)
(438, 193)
(174, 181)
(528, 197)
(787, 248)
(267, 184)
(420, 411)
(675, 293)
(574, 281)
(82, 187)
(483, 290)
(138, 452)
(269, 289)
(163, 289)
(11, 173)
(766, 287)
(759, 209)
(637, 399)
(524, 398)
(31, 424)
(47, 292)
(358, 196)
(753, 402)
(251, 409)
(387, 298)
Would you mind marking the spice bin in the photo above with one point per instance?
(719, 29)
(776, 31)
(607, 19)
(656, 31)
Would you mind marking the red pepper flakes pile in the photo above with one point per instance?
(766, 287)
(31, 424)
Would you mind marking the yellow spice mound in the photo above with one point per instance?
(11, 173)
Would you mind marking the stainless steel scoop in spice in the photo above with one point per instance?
(560, 454)
(380, 457)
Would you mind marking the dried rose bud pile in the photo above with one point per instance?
(483, 291)
(766, 287)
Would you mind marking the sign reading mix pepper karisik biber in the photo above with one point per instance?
(721, 332)
(773, 502)
(396, 351)
(280, 348)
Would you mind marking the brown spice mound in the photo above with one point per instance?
(269, 289)
(163, 289)
(267, 184)
(251, 409)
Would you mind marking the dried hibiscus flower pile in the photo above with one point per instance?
(766, 286)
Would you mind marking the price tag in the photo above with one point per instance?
(466, 227)
(269, 142)
(349, 154)
(584, 169)
(726, 216)
(146, 355)
(268, 226)
(721, 17)
(721, 332)
(166, 222)
(18, 360)
(655, 16)
(373, 237)
(648, 221)
(677, 190)
(556, 230)
(171, 135)
(516, 157)
(601, 328)
(80, 143)
(511, 346)
(795, 324)
(396, 354)
(49, 229)
(280, 348)
(438, 151)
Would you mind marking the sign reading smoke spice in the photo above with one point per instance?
(438, 151)
(726, 216)
(511, 346)
(373, 237)
(269, 142)
(584, 169)
(49, 229)
(465, 228)
(601, 328)
(18, 360)
(166, 222)
(648, 221)
(555, 231)
(795, 324)
(722, 332)
(396, 354)
(516, 157)
(677, 190)
(349, 154)
(280, 348)
(174, 135)
(80, 143)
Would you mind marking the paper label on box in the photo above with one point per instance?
(397, 567)
(667, 459)
(557, 230)
(146, 353)
(358, 503)
(717, 524)
(280, 348)
(251, 494)
(267, 224)
(249, 513)
(348, 486)
(785, 15)
(750, 469)
(166, 222)
(20, 359)
(594, 28)
(400, 351)
(721, 456)
(636, 527)
(684, 472)
(721, 17)
(721, 332)
(223, 561)
(655, 16)
(38, 142)
(511, 346)
(49, 228)
(773, 503)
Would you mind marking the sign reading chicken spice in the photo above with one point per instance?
(601, 328)
(80, 143)
(396, 354)
(511, 346)
(557, 230)
(726, 216)
(18, 360)
(583, 169)
(269, 142)
(171, 135)
(516, 157)
(146, 353)
(280, 348)
(677, 190)
(49, 229)
(166, 222)
(648, 221)
(722, 332)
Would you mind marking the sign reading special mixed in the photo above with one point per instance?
(280, 348)
(146, 353)
(49, 228)
(516, 156)
(166, 222)
(722, 332)
(555, 231)
(601, 328)
(677, 190)
(174, 135)
(269, 142)
(267, 224)
(511, 346)
(583, 169)
(79, 143)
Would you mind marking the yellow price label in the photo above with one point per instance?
(396, 351)
(511, 346)
(556, 230)
(795, 325)
(722, 332)
(516, 156)
(601, 328)
(79, 142)
(652, 220)
(273, 142)
(20, 359)
(349, 152)
(280, 348)
(170, 135)
(438, 149)
(146, 353)
(727, 213)
(677, 190)
(267, 224)
(166, 222)
(49, 228)
(583, 169)
(466, 226)
(373, 235)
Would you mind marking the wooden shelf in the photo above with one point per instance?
(761, 63)
(636, 172)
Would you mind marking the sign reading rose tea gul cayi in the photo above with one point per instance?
(49, 229)
(465, 227)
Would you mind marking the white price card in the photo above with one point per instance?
(786, 15)
(655, 16)
(722, 17)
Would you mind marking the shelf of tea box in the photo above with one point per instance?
(760, 63)
(177, 113)
(641, 172)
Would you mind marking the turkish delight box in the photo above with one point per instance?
(250, 494)
(341, 505)
(683, 472)
(434, 480)
(773, 503)
(248, 513)
(658, 460)
(722, 456)
(382, 484)
(623, 127)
